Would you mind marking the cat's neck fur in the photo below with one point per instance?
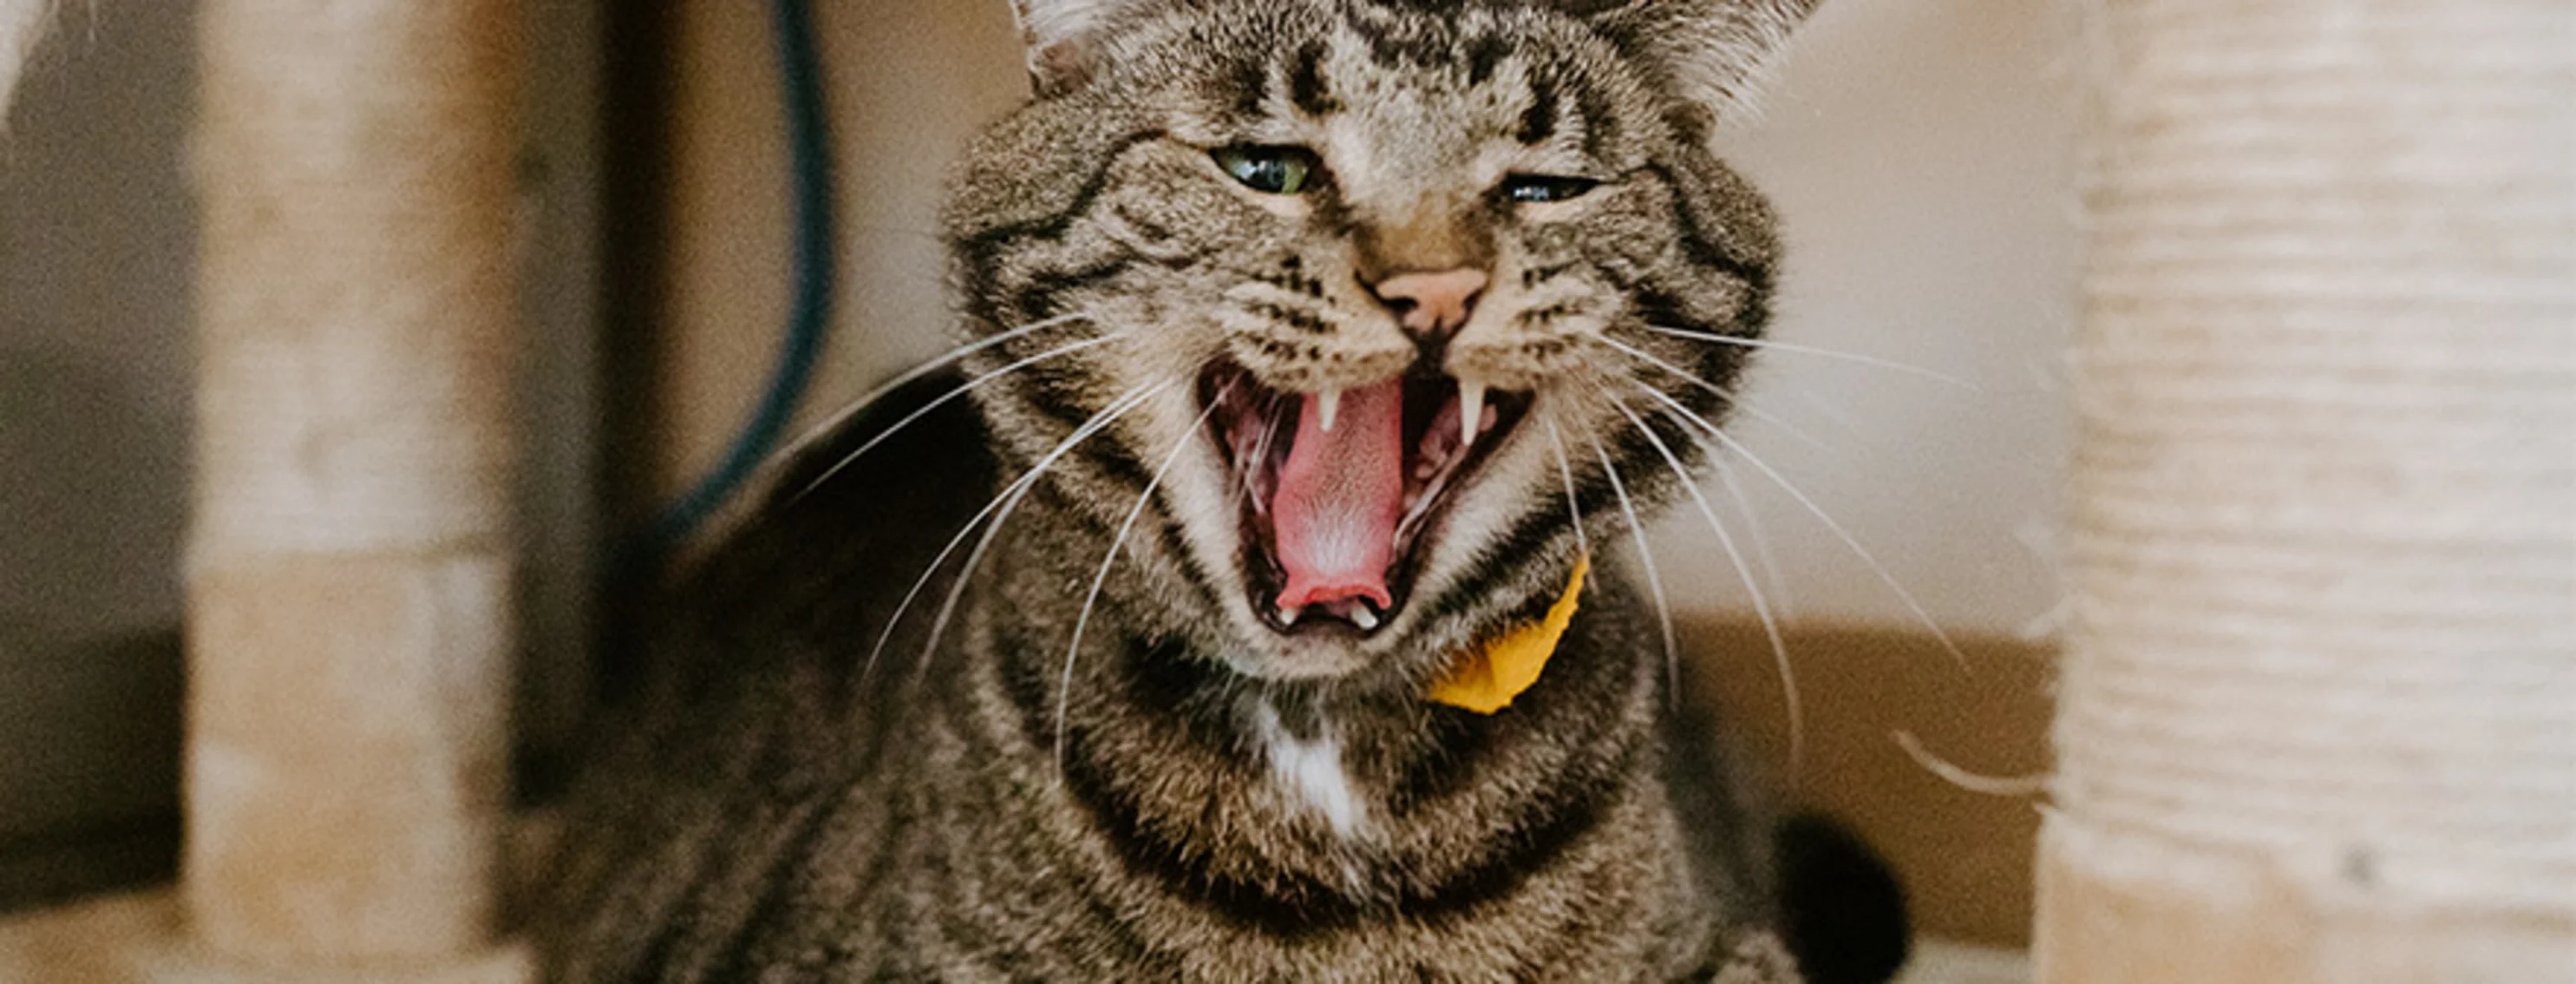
(1300, 812)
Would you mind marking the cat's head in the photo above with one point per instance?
(1360, 289)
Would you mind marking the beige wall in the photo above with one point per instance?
(1918, 150)
(908, 84)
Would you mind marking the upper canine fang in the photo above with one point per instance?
(1471, 410)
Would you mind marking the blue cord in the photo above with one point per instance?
(808, 320)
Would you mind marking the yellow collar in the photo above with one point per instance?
(1486, 682)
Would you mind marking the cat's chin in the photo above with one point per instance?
(1337, 515)
(1313, 657)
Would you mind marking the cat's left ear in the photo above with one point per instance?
(1061, 37)
(1722, 52)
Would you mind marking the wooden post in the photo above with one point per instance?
(2318, 712)
(349, 568)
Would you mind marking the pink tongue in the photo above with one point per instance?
(1339, 497)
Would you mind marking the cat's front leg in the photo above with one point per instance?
(1759, 958)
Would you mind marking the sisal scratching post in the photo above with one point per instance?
(2318, 714)
(349, 570)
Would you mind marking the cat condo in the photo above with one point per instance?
(2317, 703)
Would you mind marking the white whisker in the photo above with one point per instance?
(1573, 507)
(943, 399)
(1654, 579)
(1064, 686)
(1773, 579)
(1761, 606)
(1732, 398)
(1854, 357)
(1009, 494)
(1108, 415)
(1738, 449)
(2012, 787)
(869, 398)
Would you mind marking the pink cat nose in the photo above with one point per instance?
(1432, 304)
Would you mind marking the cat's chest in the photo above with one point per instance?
(1276, 854)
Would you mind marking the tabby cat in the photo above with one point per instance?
(1315, 348)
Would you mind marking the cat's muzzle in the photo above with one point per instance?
(1341, 490)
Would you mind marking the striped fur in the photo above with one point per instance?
(1189, 794)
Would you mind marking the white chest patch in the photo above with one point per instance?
(1310, 772)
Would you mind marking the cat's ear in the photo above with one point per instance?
(1060, 36)
(1722, 52)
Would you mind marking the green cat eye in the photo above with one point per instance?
(1545, 187)
(1272, 170)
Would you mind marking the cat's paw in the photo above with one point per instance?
(1759, 958)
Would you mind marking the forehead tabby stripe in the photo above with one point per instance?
(1251, 86)
(1483, 54)
(1600, 125)
(1539, 123)
(1306, 89)
(1409, 36)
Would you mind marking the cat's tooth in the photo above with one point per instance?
(1288, 617)
(1364, 617)
(1471, 410)
(1327, 404)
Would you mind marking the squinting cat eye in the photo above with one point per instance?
(1545, 187)
(1273, 170)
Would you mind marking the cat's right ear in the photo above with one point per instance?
(1721, 52)
(1060, 36)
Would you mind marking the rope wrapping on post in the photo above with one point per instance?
(2318, 711)
(349, 570)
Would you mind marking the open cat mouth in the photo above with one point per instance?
(1338, 488)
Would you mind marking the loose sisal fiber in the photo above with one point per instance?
(2317, 720)
(348, 583)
